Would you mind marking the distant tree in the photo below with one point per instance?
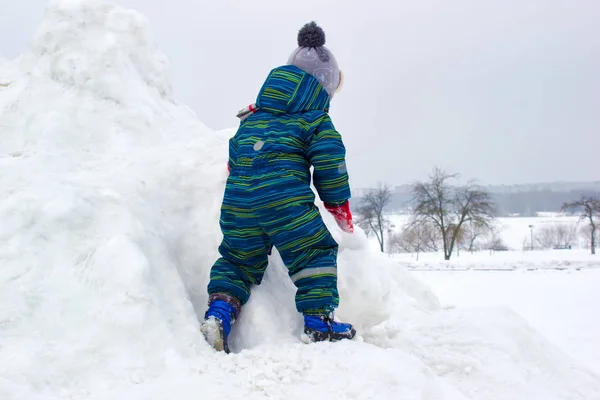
(399, 242)
(414, 238)
(588, 209)
(470, 234)
(584, 233)
(433, 238)
(556, 235)
(371, 212)
(494, 241)
(525, 244)
(396, 244)
(449, 207)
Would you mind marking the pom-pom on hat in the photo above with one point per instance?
(314, 58)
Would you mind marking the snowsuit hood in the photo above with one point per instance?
(290, 90)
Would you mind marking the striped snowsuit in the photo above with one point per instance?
(268, 200)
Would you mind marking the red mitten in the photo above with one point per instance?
(342, 216)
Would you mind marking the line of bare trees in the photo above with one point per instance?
(451, 217)
(443, 215)
(417, 238)
(556, 236)
(559, 235)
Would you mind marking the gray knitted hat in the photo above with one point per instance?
(314, 58)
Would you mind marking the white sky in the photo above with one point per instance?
(505, 91)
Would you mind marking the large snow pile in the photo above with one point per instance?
(109, 198)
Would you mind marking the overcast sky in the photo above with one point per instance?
(504, 91)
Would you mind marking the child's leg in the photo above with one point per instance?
(309, 252)
(244, 256)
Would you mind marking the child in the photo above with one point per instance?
(268, 200)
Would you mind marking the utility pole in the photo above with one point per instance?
(531, 228)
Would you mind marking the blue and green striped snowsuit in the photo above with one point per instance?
(268, 200)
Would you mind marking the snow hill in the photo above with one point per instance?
(109, 198)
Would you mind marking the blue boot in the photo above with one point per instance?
(320, 328)
(217, 324)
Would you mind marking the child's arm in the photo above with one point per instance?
(327, 154)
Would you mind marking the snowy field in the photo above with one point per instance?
(501, 260)
(556, 291)
(563, 305)
(109, 201)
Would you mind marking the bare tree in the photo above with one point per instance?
(470, 234)
(588, 207)
(396, 244)
(433, 238)
(525, 244)
(584, 233)
(556, 236)
(428, 236)
(414, 238)
(448, 207)
(371, 216)
(401, 242)
(494, 241)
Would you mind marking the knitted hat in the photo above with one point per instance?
(314, 58)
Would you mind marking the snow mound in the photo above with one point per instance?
(109, 202)
(95, 82)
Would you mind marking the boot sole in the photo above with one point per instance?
(212, 330)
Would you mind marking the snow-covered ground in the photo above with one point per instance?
(563, 305)
(109, 201)
(504, 260)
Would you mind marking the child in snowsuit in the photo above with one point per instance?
(268, 200)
